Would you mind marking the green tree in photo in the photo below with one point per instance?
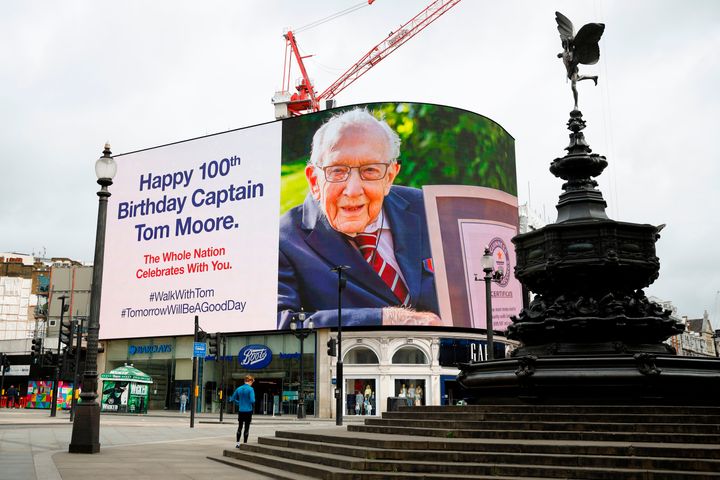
(440, 146)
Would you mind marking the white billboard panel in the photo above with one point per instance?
(193, 230)
(242, 228)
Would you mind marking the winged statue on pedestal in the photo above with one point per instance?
(578, 49)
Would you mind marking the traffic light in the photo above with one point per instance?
(5, 362)
(66, 332)
(68, 359)
(49, 358)
(60, 362)
(332, 347)
(212, 344)
(36, 349)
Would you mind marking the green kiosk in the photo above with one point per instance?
(125, 390)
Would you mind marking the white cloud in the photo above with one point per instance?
(77, 73)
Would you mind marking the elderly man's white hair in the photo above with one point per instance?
(327, 135)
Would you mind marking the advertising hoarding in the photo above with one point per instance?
(220, 227)
(192, 230)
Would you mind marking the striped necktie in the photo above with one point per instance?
(367, 243)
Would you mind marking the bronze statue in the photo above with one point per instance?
(582, 48)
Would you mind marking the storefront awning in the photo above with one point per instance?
(127, 373)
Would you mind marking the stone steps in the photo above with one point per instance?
(328, 466)
(499, 442)
(541, 417)
(283, 469)
(574, 409)
(627, 458)
(549, 426)
(596, 436)
(262, 469)
(409, 444)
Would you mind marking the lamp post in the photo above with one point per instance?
(491, 275)
(86, 426)
(297, 325)
(339, 404)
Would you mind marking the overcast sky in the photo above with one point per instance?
(74, 74)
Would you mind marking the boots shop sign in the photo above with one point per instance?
(255, 357)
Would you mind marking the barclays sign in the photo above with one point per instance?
(255, 357)
(145, 349)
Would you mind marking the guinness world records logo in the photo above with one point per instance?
(501, 259)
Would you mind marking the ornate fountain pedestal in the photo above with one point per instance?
(590, 335)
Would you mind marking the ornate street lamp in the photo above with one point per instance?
(297, 326)
(86, 426)
(491, 275)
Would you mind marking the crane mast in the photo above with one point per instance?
(306, 99)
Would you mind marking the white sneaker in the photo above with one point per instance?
(237, 445)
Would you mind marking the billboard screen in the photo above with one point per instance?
(242, 228)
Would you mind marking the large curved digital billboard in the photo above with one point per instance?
(243, 228)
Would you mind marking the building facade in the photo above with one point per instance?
(419, 365)
(699, 339)
(24, 283)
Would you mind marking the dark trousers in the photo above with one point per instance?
(244, 418)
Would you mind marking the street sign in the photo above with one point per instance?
(18, 371)
(199, 349)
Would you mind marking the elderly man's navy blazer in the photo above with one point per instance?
(310, 247)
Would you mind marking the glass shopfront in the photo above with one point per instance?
(360, 398)
(157, 357)
(277, 383)
(411, 389)
(277, 386)
(367, 389)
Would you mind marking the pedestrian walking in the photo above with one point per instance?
(244, 398)
(11, 394)
(183, 401)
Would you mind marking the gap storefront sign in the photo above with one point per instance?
(148, 349)
(255, 357)
(454, 351)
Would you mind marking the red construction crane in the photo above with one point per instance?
(305, 99)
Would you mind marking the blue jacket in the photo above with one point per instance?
(310, 247)
(244, 398)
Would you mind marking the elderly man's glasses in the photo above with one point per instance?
(369, 172)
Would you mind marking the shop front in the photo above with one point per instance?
(417, 366)
(272, 358)
(377, 368)
(167, 360)
(406, 367)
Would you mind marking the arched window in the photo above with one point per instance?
(412, 355)
(361, 356)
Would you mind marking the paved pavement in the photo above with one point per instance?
(157, 446)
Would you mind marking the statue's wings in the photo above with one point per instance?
(587, 50)
(564, 26)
